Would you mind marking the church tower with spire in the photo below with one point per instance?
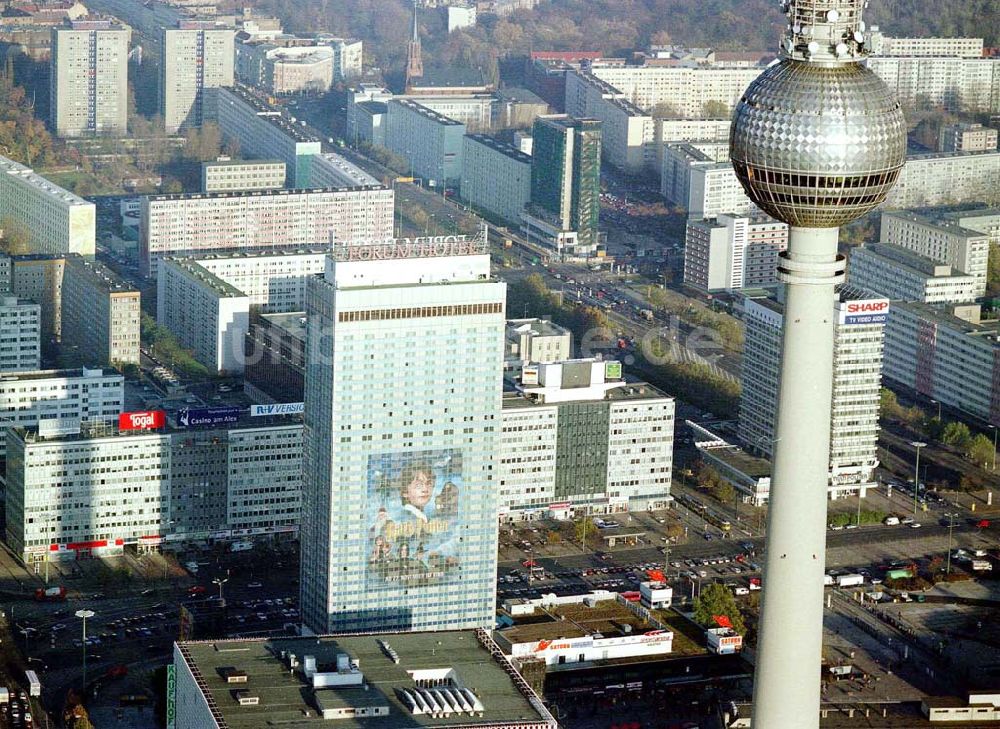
(414, 62)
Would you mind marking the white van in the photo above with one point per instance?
(891, 521)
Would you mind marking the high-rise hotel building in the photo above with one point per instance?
(405, 345)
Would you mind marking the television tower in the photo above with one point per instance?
(817, 141)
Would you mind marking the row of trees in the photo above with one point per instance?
(977, 448)
(165, 348)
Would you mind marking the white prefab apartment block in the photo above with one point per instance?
(859, 332)
(429, 141)
(227, 175)
(207, 315)
(970, 85)
(273, 281)
(882, 45)
(54, 220)
(399, 498)
(943, 240)
(901, 275)
(687, 88)
(733, 252)
(150, 487)
(100, 314)
(946, 354)
(184, 225)
(947, 179)
(20, 334)
(577, 438)
(198, 58)
(89, 78)
(26, 398)
(983, 220)
(496, 177)
(699, 177)
(264, 132)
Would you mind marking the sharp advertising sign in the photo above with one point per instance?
(867, 311)
(144, 420)
(279, 408)
(192, 417)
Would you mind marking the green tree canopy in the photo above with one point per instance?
(957, 435)
(717, 600)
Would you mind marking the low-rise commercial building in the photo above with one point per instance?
(176, 485)
(101, 313)
(20, 334)
(901, 275)
(965, 137)
(699, 177)
(207, 315)
(576, 437)
(496, 177)
(429, 141)
(947, 178)
(733, 252)
(535, 340)
(356, 680)
(588, 631)
(273, 280)
(945, 240)
(227, 175)
(859, 333)
(59, 396)
(946, 354)
(52, 220)
(187, 224)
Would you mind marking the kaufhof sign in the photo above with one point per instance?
(278, 408)
(865, 311)
(144, 420)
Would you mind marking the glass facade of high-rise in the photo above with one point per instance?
(402, 421)
(566, 173)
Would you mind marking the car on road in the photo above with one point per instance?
(916, 525)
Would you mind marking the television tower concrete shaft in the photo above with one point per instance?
(817, 141)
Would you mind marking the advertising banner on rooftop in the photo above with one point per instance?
(142, 420)
(192, 417)
(867, 311)
(277, 408)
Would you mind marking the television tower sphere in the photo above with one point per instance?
(818, 139)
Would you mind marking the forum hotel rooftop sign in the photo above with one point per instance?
(434, 246)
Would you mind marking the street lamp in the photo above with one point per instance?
(916, 473)
(994, 429)
(83, 615)
(951, 524)
(220, 581)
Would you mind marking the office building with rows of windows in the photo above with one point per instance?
(576, 438)
(20, 334)
(404, 357)
(150, 487)
(198, 59)
(859, 334)
(100, 314)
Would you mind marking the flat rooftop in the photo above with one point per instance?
(609, 618)
(503, 148)
(740, 460)
(39, 183)
(263, 253)
(99, 275)
(538, 327)
(292, 323)
(206, 278)
(513, 398)
(11, 377)
(285, 697)
(943, 224)
(425, 112)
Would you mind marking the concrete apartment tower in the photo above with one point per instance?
(198, 57)
(817, 140)
(88, 84)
